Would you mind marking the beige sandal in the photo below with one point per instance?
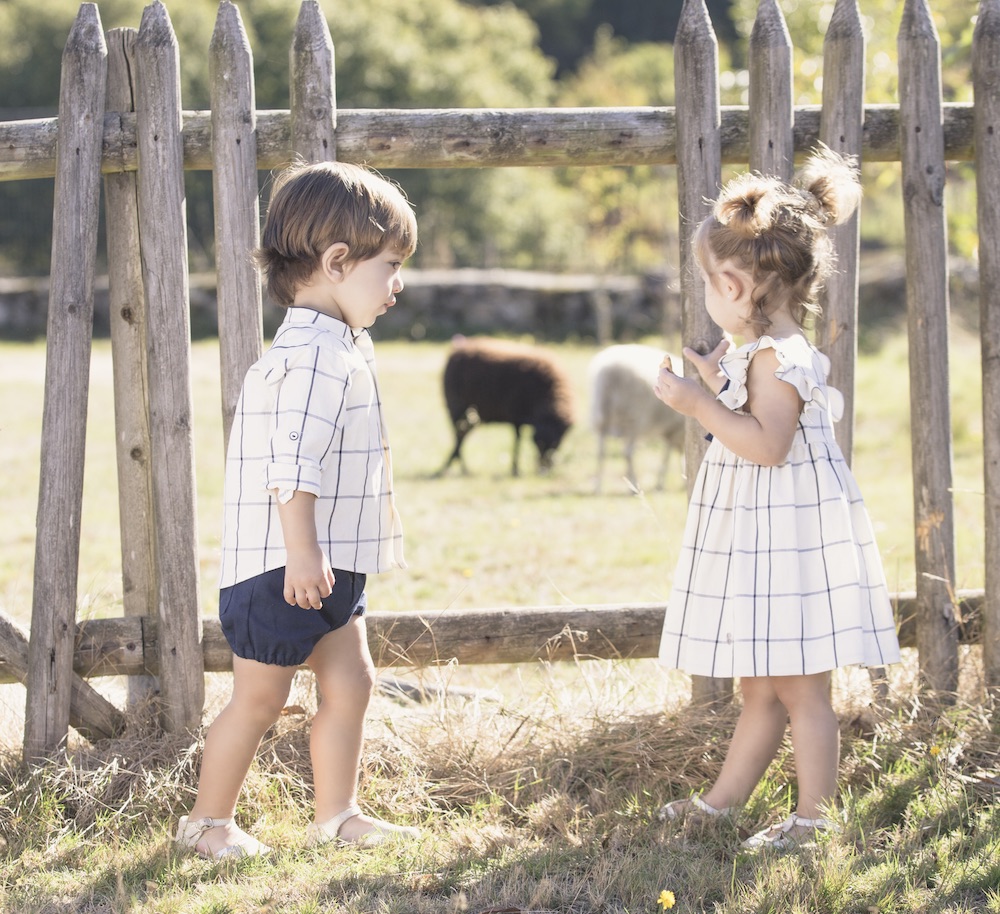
(319, 833)
(693, 806)
(190, 834)
(795, 831)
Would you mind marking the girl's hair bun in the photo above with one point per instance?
(750, 205)
(833, 181)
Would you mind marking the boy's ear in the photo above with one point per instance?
(333, 259)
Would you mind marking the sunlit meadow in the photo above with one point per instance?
(536, 784)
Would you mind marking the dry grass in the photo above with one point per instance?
(539, 800)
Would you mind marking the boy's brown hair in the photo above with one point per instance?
(315, 206)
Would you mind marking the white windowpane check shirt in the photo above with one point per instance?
(309, 419)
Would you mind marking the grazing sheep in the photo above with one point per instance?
(623, 405)
(488, 380)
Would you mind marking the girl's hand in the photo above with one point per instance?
(308, 578)
(681, 394)
(708, 365)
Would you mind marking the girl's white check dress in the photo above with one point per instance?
(779, 573)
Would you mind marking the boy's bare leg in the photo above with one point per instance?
(259, 693)
(755, 743)
(346, 676)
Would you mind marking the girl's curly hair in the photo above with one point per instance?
(776, 232)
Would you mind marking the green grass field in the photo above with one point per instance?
(535, 783)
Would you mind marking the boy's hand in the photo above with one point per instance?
(308, 575)
(308, 578)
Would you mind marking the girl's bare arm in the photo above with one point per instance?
(763, 434)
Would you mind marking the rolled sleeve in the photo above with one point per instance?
(285, 479)
(308, 408)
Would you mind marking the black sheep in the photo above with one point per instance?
(488, 380)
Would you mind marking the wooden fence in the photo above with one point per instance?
(120, 116)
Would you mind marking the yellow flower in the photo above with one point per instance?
(935, 751)
(666, 900)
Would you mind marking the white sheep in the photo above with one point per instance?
(623, 405)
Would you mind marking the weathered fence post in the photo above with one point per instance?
(165, 279)
(127, 316)
(841, 128)
(67, 379)
(313, 87)
(986, 82)
(237, 210)
(699, 169)
(922, 153)
(772, 141)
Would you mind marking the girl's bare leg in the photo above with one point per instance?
(815, 739)
(259, 694)
(755, 742)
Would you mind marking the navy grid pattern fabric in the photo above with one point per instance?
(779, 573)
(309, 418)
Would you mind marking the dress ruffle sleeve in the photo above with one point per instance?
(801, 365)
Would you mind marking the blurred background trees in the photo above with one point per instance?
(488, 53)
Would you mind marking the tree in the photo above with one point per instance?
(629, 213)
(882, 223)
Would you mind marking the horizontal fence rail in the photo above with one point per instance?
(476, 138)
(128, 646)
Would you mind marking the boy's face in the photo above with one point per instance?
(367, 289)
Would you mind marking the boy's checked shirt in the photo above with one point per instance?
(309, 418)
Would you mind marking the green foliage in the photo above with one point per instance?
(881, 222)
(483, 53)
(436, 54)
(568, 28)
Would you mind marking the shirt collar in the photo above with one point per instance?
(300, 315)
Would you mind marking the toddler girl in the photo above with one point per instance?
(779, 580)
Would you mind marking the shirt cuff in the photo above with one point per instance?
(289, 478)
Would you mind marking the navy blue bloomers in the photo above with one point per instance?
(259, 625)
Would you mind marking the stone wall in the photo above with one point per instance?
(436, 304)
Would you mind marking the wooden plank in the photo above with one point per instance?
(772, 149)
(127, 316)
(127, 646)
(477, 138)
(841, 129)
(986, 85)
(699, 169)
(163, 236)
(67, 377)
(90, 713)
(237, 210)
(922, 144)
(313, 95)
